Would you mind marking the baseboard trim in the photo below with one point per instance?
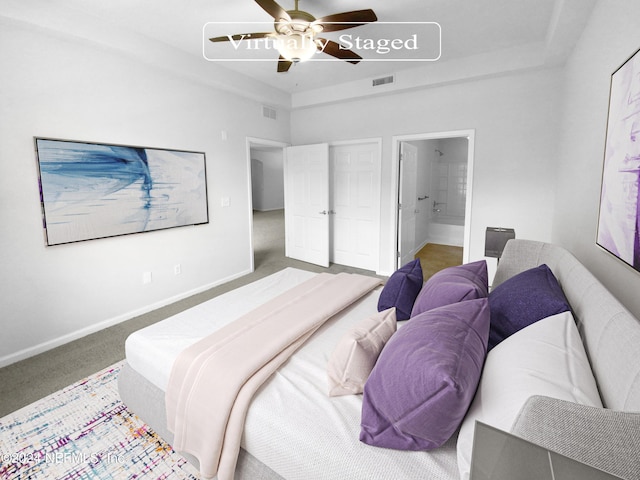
(83, 332)
(264, 210)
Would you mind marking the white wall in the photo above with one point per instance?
(63, 87)
(454, 154)
(611, 36)
(515, 118)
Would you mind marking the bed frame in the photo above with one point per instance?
(610, 334)
(147, 401)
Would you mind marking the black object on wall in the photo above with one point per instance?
(495, 240)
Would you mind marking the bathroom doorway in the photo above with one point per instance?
(437, 170)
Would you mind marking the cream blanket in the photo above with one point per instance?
(213, 381)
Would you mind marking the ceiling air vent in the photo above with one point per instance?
(383, 80)
(269, 112)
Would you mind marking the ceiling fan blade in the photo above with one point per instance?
(273, 9)
(335, 50)
(241, 36)
(342, 21)
(283, 64)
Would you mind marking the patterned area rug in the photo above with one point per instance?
(85, 432)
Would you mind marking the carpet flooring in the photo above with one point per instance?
(24, 382)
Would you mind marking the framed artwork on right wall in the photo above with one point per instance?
(619, 217)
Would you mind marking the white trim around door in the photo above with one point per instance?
(255, 142)
(396, 140)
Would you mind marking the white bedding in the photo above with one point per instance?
(151, 351)
(293, 426)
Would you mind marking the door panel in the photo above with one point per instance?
(408, 200)
(355, 171)
(306, 171)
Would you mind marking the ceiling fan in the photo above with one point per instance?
(296, 33)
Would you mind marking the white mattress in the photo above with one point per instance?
(292, 426)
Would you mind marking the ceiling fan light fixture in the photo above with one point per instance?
(316, 27)
(284, 28)
(296, 33)
(296, 47)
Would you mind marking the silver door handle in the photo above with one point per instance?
(323, 212)
(331, 212)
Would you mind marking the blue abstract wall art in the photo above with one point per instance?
(91, 190)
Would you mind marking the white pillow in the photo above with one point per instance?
(545, 358)
(355, 355)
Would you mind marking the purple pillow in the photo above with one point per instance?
(522, 300)
(453, 285)
(425, 378)
(401, 290)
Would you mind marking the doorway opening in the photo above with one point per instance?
(433, 186)
(265, 160)
(351, 210)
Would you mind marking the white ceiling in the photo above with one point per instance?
(469, 28)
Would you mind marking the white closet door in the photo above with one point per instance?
(355, 198)
(306, 172)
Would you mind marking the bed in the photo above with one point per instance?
(295, 430)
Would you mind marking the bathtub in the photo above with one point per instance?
(446, 230)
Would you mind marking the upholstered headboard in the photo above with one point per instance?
(610, 333)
